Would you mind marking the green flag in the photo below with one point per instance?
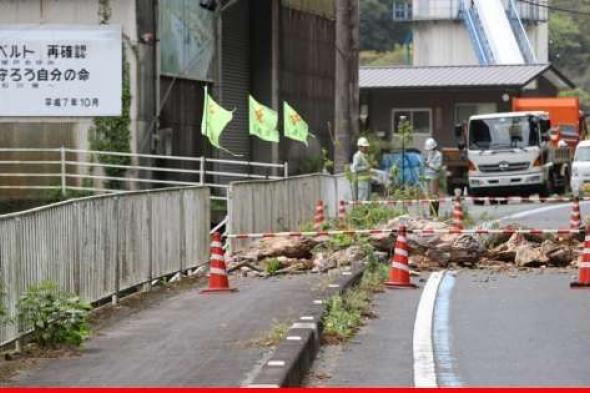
(294, 126)
(263, 121)
(215, 118)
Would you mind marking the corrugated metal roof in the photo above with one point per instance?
(449, 76)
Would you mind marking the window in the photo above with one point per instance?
(464, 111)
(402, 10)
(419, 118)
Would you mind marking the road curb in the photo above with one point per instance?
(294, 356)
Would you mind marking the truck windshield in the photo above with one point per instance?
(502, 133)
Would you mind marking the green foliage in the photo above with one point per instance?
(346, 313)
(582, 94)
(371, 215)
(273, 265)
(372, 58)
(112, 133)
(339, 241)
(403, 136)
(316, 164)
(57, 317)
(218, 205)
(4, 318)
(341, 321)
(277, 333)
(377, 30)
(569, 42)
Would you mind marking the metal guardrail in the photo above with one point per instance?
(64, 164)
(97, 247)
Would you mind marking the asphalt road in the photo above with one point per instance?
(489, 329)
(529, 330)
(186, 340)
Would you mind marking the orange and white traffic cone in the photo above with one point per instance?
(319, 216)
(457, 225)
(218, 281)
(319, 220)
(342, 213)
(576, 217)
(584, 275)
(399, 273)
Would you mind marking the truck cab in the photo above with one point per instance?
(510, 154)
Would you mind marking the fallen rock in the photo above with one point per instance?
(323, 262)
(558, 255)
(507, 252)
(299, 248)
(528, 256)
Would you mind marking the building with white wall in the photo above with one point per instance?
(441, 35)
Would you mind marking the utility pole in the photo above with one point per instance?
(346, 81)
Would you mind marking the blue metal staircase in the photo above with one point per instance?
(520, 33)
(477, 35)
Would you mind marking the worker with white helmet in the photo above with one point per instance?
(433, 162)
(361, 169)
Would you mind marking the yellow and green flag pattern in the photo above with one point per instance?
(215, 119)
(263, 121)
(293, 125)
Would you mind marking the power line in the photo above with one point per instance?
(554, 8)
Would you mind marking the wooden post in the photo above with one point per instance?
(275, 64)
(346, 82)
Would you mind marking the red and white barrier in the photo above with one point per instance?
(421, 232)
(514, 199)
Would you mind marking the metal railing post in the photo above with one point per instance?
(62, 153)
(286, 169)
(202, 170)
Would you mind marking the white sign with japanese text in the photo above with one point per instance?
(60, 70)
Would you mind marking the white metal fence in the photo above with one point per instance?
(99, 246)
(282, 205)
(71, 169)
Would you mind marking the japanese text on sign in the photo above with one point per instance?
(54, 70)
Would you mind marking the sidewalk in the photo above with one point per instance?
(186, 340)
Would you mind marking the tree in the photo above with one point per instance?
(378, 30)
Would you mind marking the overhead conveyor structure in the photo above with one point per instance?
(497, 33)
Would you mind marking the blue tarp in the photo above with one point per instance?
(414, 166)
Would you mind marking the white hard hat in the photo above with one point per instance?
(430, 144)
(363, 142)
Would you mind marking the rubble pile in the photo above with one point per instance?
(273, 256)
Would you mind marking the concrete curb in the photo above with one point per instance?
(293, 357)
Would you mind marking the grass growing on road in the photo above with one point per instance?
(348, 312)
(277, 333)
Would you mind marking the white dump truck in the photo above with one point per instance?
(513, 154)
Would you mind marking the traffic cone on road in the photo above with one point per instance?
(218, 281)
(399, 273)
(584, 275)
(576, 217)
(457, 225)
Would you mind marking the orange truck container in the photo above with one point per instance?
(565, 113)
